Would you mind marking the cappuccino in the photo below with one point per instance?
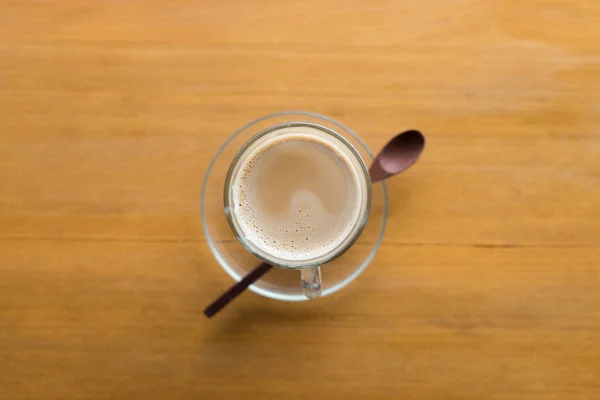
(298, 194)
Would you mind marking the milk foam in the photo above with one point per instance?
(305, 230)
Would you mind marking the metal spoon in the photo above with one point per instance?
(395, 157)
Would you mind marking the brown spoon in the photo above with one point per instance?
(395, 157)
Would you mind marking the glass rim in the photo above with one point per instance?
(345, 244)
(235, 275)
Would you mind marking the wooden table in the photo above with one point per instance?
(487, 285)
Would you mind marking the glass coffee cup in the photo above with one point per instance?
(298, 195)
(229, 241)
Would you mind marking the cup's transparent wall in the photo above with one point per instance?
(280, 283)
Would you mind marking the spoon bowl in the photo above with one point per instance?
(399, 154)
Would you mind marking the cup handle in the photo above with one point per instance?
(311, 282)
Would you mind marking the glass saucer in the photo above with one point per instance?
(279, 283)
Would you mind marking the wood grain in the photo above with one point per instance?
(488, 282)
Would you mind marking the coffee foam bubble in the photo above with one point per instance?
(306, 230)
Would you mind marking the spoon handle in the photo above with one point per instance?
(236, 289)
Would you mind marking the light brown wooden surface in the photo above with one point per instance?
(488, 282)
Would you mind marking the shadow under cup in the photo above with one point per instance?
(280, 283)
